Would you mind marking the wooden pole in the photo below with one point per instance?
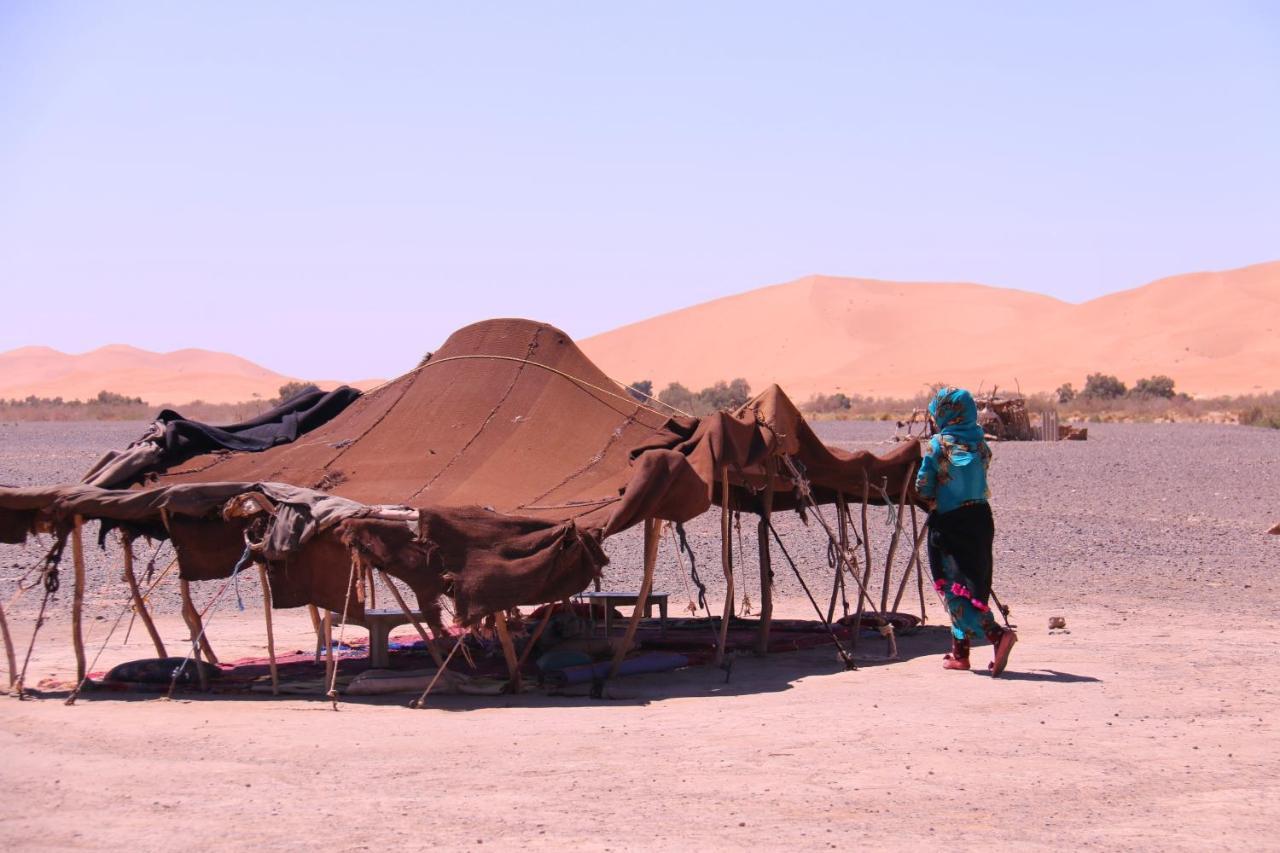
(866, 553)
(913, 560)
(318, 627)
(77, 600)
(893, 541)
(726, 562)
(652, 530)
(837, 585)
(139, 603)
(192, 618)
(919, 573)
(508, 649)
(537, 634)
(417, 626)
(766, 559)
(271, 636)
(329, 669)
(198, 620)
(8, 649)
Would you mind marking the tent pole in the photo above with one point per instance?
(140, 604)
(766, 559)
(919, 571)
(508, 648)
(866, 554)
(271, 637)
(192, 618)
(317, 626)
(893, 541)
(8, 648)
(77, 600)
(328, 645)
(726, 561)
(417, 626)
(652, 530)
(837, 585)
(913, 560)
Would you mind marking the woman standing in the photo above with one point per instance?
(953, 477)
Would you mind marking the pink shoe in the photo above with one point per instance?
(958, 657)
(1003, 646)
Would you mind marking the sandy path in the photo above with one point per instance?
(1113, 735)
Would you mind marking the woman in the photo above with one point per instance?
(953, 477)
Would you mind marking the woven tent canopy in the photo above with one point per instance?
(491, 473)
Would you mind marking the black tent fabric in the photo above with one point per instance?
(185, 438)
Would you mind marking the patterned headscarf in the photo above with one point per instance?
(959, 436)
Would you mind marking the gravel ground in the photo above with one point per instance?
(1150, 513)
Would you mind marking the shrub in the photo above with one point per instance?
(1100, 386)
(1066, 393)
(289, 390)
(828, 403)
(1155, 386)
(641, 390)
(714, 398)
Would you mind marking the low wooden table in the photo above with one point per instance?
(609, 599)
(379, 624)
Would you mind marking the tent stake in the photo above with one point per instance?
(77, 600)
(726, 562)
(766, 559)
(508, 649)
(652, 530)
(139, 604)
(271, 637)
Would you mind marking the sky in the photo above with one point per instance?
(329, 189)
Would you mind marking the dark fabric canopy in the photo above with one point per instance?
(515, 456)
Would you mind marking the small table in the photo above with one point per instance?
(380, 624)
(609, 599)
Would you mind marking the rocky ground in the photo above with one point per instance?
(1139, 512)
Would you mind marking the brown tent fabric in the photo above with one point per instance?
(520, 455)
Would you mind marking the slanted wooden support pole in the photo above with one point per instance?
(837, 585)
(271, 636)
(408, 614)
(893, 541)
(912, 561)
(328, 648)
(318, 627)
(915, 525)
(866, 562)
(508, 649)
(77, 600)
(726, 562)
(192, 617)
(8, 649)
(140, 603)
(652, 531)
(766, 559)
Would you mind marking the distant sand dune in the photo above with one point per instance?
(172, 377)
(1214, 333)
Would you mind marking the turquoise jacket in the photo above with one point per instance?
(954, 469)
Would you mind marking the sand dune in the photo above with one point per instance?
(1213, 332)
(172, 377)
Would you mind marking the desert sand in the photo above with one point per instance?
(1213, 332)
(170, 378)
(1150, 725)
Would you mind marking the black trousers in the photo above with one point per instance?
(964, 535)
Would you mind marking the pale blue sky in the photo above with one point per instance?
(329, 189)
